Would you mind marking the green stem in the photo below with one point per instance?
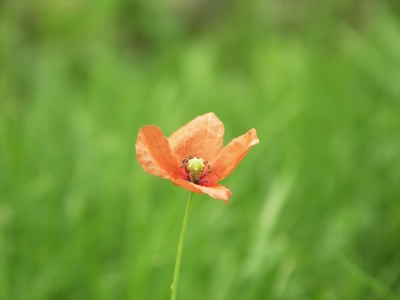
(180, 247)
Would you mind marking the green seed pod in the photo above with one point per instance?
(196, 166)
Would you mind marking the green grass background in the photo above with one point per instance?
(315, 211)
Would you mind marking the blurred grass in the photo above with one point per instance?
(314, 212)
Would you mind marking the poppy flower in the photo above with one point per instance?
(193, 157)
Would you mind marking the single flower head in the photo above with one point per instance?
(193, 157)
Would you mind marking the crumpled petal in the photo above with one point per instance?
(155, 155)
(217, 191)
(202, 137)
(232, 154)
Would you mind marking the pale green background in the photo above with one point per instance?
(315, 211)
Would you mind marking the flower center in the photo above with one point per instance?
(196, 169)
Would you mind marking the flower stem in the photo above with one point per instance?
(180, 247)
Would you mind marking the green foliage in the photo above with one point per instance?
(315, 211)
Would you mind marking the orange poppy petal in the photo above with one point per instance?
(202, 137)
(154, 154)
(233, 153)
(217, 191)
